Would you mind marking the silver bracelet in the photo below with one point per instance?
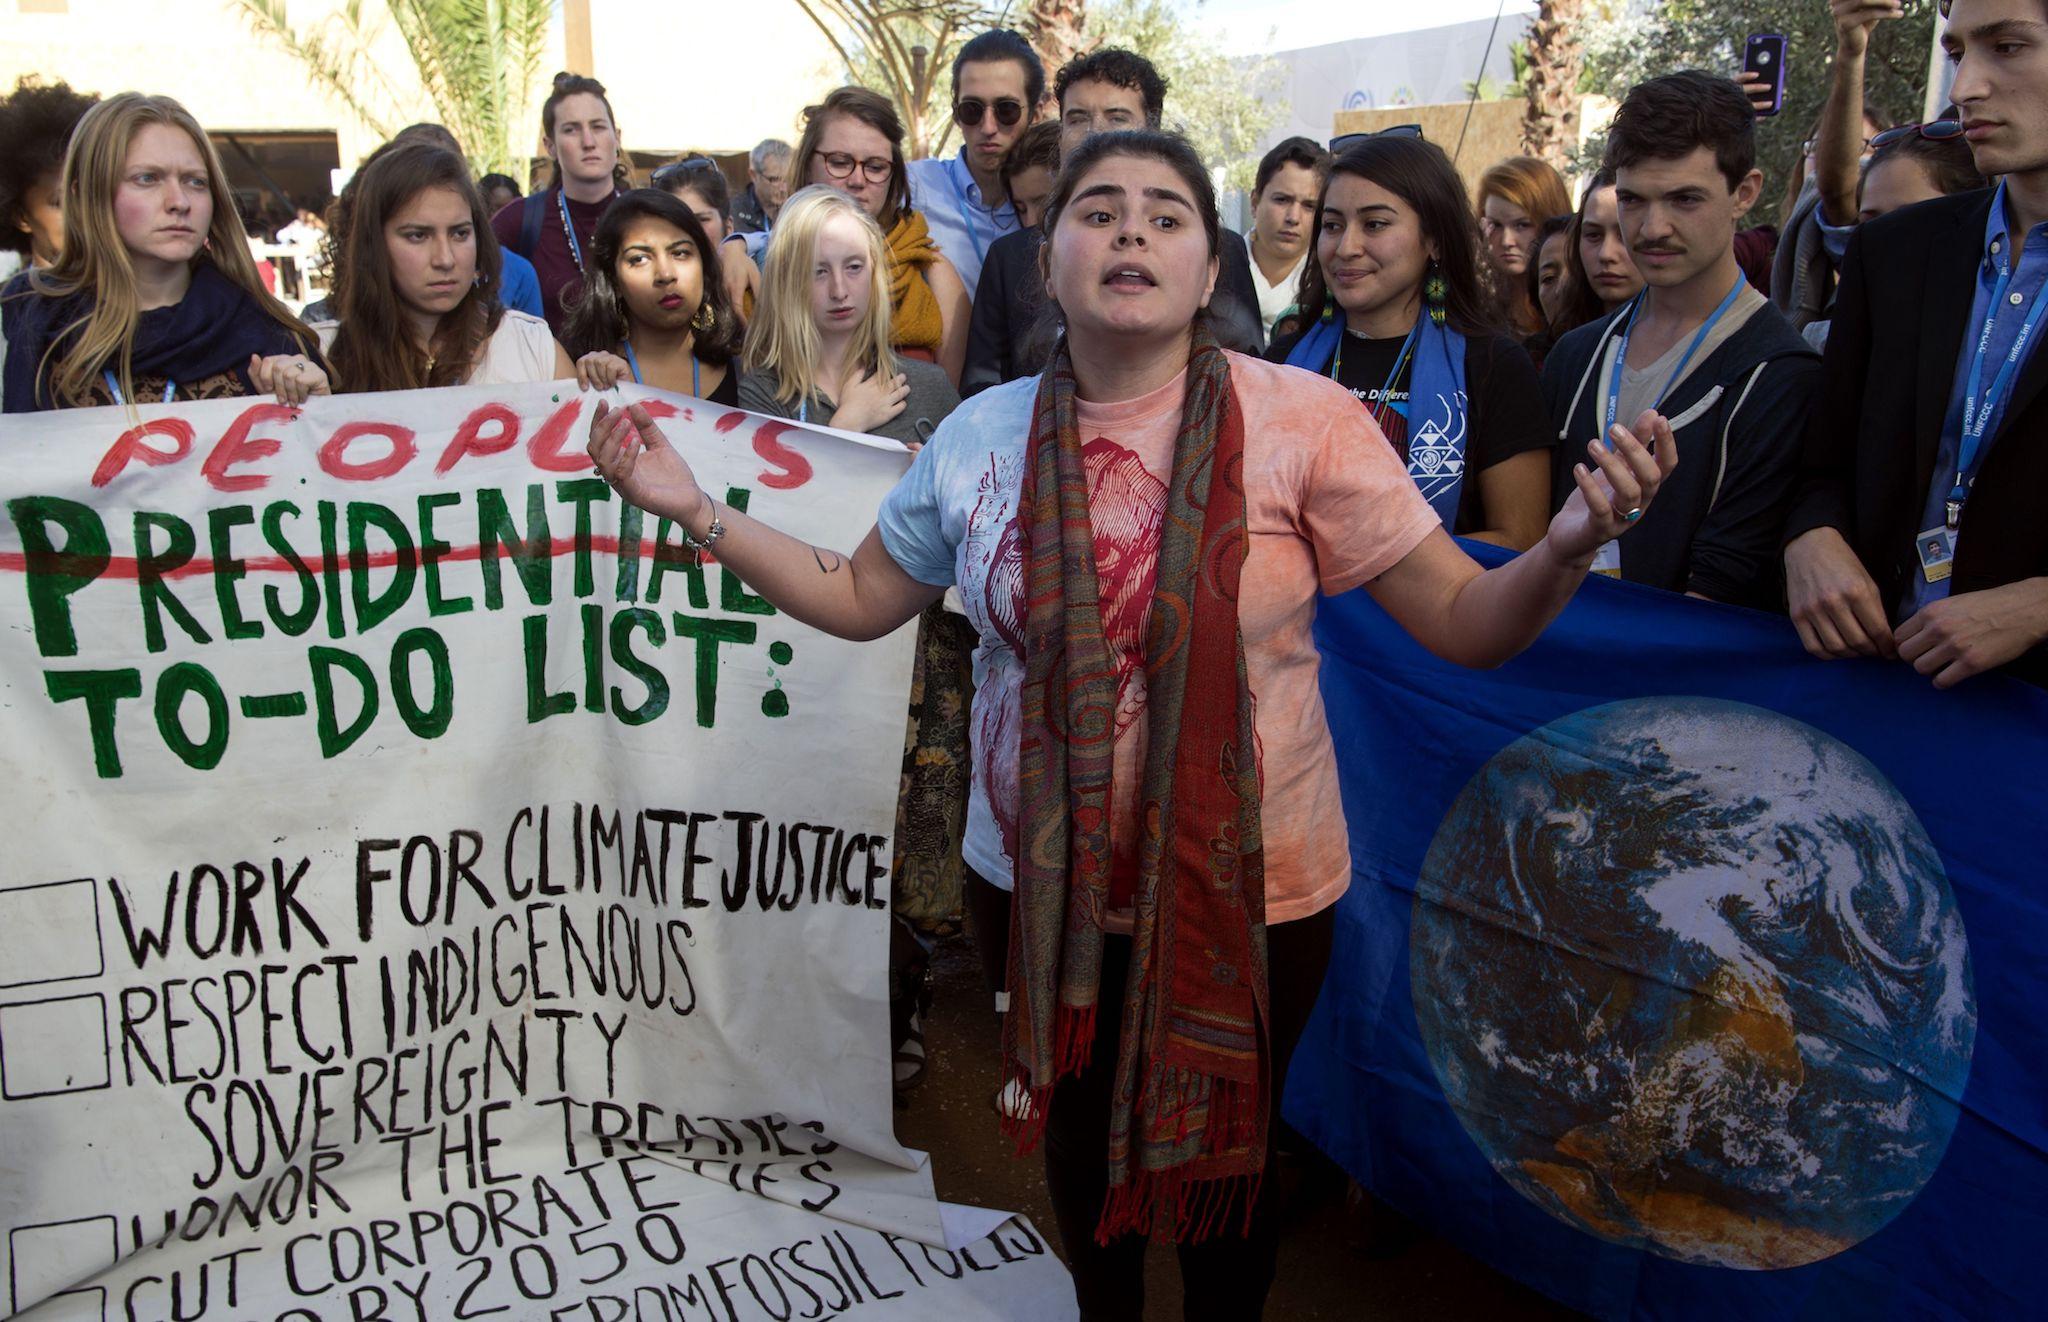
(711, 534)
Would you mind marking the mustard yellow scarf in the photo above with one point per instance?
(915, 322)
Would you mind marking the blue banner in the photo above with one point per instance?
(1683, 976)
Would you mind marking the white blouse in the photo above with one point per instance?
(522, 349)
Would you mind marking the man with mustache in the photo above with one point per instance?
(1918, 531)
(1698, 345)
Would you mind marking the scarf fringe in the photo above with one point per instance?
(1170, 1206)
(1229, 1109)
(1073, 1045)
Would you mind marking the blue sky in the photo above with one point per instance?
(1246, 27)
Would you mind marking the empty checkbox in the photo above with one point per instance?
(54, 1257)
(87, 1305)
(53, 1046)
(50, 933)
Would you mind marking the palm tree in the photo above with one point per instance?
(1055, 29)
(903, 49)
(478, 63)
(1554, 57)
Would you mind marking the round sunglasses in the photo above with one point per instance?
(968, 112)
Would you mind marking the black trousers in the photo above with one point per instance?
(1226, 1277)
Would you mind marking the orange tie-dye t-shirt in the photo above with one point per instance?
(1329, 507)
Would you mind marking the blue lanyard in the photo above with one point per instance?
(696, 371)
(114, 388)
(569, 229)
(803, 410)
(1386, 408)
(1678, 373)
(966, 212)
(1976, 402)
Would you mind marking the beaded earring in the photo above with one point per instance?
(1434, 292)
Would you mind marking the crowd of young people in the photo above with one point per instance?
(1058, 326)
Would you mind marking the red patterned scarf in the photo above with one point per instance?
(1192, 1097)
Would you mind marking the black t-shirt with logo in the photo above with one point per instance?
(1504, 403)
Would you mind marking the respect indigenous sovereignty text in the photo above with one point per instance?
(430, 891)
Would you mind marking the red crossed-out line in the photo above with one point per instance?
(127, 567)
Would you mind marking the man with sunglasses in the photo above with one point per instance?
(998, 82)
(1920, 531)
(1104, 91)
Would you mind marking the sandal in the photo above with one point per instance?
(908, 1058)
(910, 1000)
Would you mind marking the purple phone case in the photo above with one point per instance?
(1772, 69)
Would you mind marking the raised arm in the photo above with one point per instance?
(1483, 618)
(860, 597)
(1838, 144)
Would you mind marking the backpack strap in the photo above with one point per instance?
(533, 213)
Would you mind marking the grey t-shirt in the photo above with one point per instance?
(931, 398)
(1641, 387)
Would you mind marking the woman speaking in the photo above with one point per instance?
(1139, 535)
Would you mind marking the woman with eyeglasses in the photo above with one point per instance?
(853, 141)
(1909, 164)
(1392, 308)
(1514, 198)
(653, 309)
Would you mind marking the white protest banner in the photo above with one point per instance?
(430, 892)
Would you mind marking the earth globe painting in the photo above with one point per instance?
(1692, 977)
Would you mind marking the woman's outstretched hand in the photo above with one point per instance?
(1614, 494)
(634, 457)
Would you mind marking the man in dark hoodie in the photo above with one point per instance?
(1698, 345)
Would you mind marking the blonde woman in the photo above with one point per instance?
(853, 141)
(154, 296)
(819, 352)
